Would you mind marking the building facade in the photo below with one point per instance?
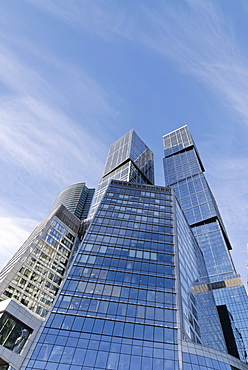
(129, 301)
(31, 279)
(77, 199)
(129, 159)
(184, 172)
(140, 292)
(34, 274)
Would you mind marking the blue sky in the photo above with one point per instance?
(76, 75)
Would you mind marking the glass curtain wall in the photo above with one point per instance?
(184, 172)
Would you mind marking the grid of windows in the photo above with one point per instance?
(218, 262)
(37, 281)
(177, 140)
(129, 159)
(196, 362)
(182, 165)
(184, 173)
(76, 198)
(200, 318)
(120, 289)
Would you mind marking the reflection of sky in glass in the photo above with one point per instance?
(129, 159)
(184, 173)
(118, 305)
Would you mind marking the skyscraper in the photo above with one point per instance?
(129, 159)
(33, 275)
(77, 199)
(138, 295)
(184, 172)
(31, 279)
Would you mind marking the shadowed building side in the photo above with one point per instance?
(184, 172)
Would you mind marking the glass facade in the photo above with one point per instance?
(129, 159)
(151, 285)
(184, 173)
(33, 276)
(134, 290)
(197, 306)
(77, 199)
(13, 333)
(119, 300)
(195, 362)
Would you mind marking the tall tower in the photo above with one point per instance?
(137, 295)
(31, 279)
(77, 199)
(184, 172)
(129, 159)
(34, 274)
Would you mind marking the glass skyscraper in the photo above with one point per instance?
(141, 293)
(31, 279)
(33, 276)
(184, 172)
(77, 199)
(129, 159)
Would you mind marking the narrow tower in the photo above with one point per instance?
(184, 172)
(129, 159)
(77, 199)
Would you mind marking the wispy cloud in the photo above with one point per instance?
(202, 43)
(33, 136)
(195, 35)
(13, 232)
(43, 144)
(37, 119)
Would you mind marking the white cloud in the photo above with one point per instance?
(39, 129)
(195, 35)
(46, 142)
(13, 232)
(44, 145)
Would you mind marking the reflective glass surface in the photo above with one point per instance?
(196, 362)
(39, 266)
(200, 317)
(184, 173)
(117, 308)
(13, 333)
(129, 159)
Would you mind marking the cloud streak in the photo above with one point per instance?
(198, 37)
(13, 233)
(189, 34)
(43, 144)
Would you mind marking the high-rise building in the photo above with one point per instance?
(31, 279)
(77, 199)
(33, 275)
(129, 159)
(140, 293)
(184, 172)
